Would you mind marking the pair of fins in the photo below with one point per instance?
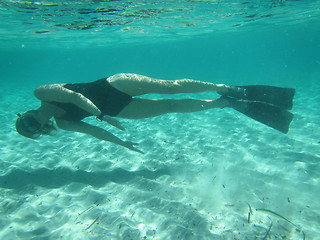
(266, 104)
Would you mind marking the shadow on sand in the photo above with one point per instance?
(19, 179)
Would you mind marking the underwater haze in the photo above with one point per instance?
(215, 174)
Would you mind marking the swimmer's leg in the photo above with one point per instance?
(140, 108)
(135, 85)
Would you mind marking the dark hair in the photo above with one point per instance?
(28, 126)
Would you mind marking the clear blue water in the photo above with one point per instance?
(231, 42)
(218, 40)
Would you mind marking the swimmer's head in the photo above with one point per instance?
(28, 126)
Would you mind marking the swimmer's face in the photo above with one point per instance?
(28, 126)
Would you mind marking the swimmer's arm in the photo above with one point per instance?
(82, 127)
(57, 93)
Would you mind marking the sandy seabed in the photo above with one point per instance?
(200, 175)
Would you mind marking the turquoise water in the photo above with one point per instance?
(199, 171)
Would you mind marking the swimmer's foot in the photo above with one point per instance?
(277, 96)
(237, 104)
(222, 89)
(264, 113)
(235, 92)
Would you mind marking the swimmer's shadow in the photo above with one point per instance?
(21, 180)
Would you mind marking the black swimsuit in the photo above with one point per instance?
(108, 99)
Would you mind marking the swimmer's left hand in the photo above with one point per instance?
(130, 145)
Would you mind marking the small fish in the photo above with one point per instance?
(92, 223)
(274, 213)
(89, 208)
(250, 208)
(41, 32)
(229, 205)
(265, 237)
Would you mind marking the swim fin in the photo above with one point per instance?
(277, 96)
(267, 114)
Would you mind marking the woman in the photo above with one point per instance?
(115, 96)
